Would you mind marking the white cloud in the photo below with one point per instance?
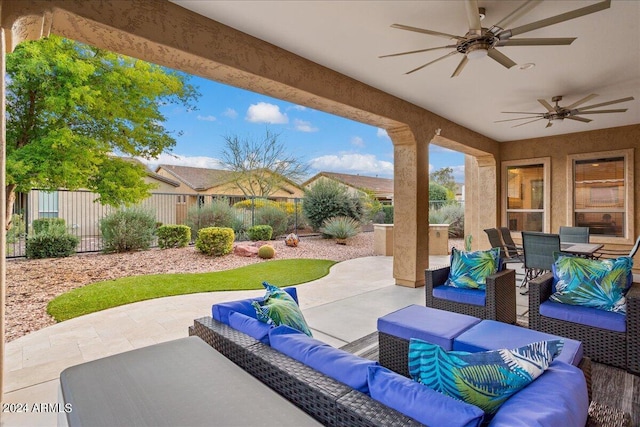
(231, 113)
(430, 168)
(263, 112)
(357, 141)
(366, 164)
(178, 160)
(299, 107)
(209, 118)
(303, 126)
(458, 173)
(382, 134)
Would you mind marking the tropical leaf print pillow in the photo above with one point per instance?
(592, 283)
(471, 269)
(279, 308)
(485, 379)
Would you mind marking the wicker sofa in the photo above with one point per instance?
(620, 349)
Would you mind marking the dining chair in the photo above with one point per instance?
(574, 234)
(507, 255)
(513, 250)
(614, 253)
(538, 253)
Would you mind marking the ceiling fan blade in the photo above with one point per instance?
(546, 105)
(602, 104)
(460, 66)
(556, 19)
(581, 101)
(519, 118)
(560, 41)
(526, 123)
(517, 13)
(423, 31)
(453, 46)
(618, 110)
(429, 63)
(501, 58)
(580, 119)
(521, 112)
(473, 16)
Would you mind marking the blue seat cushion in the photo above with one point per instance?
(492, 335)
(588, 316)
(556, 398)
(428, 324)
(419, 402)
(461, 295)
(221, 311)
(333, 362)
(250, 326)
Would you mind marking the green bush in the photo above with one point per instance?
(273, 216)
(327, 199)
(17, 230)
(216, 214)
(128, 230)
(52, 241)
(266, 252)
(43, 224)
(260, 232)
(452, 214)
(388, 214)
(173, 236)
(215, 241)
(341, 227)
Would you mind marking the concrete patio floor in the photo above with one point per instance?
(340, 308)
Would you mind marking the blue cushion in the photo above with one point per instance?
(279, 308)
(485, 379)
(557, 398)
(333, 362)
(419, 402)
(250, 326)
(461, 295)
(471, 269)
(588, 316)
(429, 324)
(593, 283)
(221, 311)
(492, 335)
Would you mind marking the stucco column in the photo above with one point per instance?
(481, 208)
(3, 196)
(411, 206)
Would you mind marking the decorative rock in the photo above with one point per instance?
(245, 250)
(292, 240)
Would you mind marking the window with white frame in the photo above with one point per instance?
(47, 204)
(526, 194)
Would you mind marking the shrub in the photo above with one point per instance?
(328, 199)
(173, 236)
(216, 214)
(341, 227)
(266, 252)
(452, 214)
(273, 216)
(128, 230)
(17, 230)
(43, 224)
(388, 214)
(260, 232)
(53, 241)
(215, 241)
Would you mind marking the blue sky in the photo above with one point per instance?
(326, 142)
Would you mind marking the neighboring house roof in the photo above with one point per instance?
(379, 186)
(152, 174)
(199, 179)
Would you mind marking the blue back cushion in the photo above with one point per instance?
(250, 326)
(419, 402)
(333, 362)
(221, 311)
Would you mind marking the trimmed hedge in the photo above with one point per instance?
(216, 241)
(260, 232)
(173, 236)
(44, 224)
(51, 243)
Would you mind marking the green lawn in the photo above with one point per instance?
(112, 293)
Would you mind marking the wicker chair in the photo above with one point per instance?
(500, 296)
(621, 349)
(574, 234)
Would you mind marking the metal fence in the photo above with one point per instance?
(82, 213)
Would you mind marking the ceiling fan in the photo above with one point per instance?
(557, 113)
(480, 42)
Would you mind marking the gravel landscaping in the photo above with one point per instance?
(31, 284)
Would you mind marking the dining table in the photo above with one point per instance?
(586, 250)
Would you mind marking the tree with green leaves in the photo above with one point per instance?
(72, 109)
(261, 166)
(444, 177)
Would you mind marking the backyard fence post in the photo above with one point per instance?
(295, 207)
(253, 210)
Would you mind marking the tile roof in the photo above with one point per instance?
(372, 183)
(199, 179)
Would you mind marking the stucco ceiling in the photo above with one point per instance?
(349, 36)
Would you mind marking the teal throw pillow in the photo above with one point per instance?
(278, 308)
(470, 269)
(600, 284)
(485, 379)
